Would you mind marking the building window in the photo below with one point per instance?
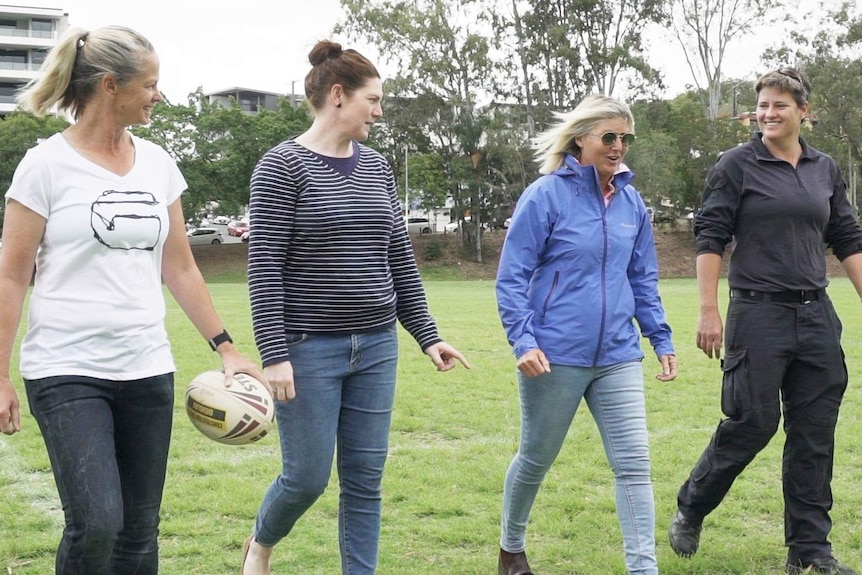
(42, 28)
(7, 93)
(37, 57)
(13, 60)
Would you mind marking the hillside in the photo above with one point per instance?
(442, 254)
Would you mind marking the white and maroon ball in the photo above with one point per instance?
(236, 415)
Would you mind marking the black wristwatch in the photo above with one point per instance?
(220, 339)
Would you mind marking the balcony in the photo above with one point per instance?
(26, 38)
(18, 72)
(18, 33)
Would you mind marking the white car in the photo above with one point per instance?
(221, 220)
(204, 237)
(418, 226)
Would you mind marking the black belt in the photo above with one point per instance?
(799, 296)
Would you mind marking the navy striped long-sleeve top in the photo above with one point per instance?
(329, 253)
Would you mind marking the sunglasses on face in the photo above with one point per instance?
(610, 138)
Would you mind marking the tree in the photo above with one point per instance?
(704, 29)
(832, 59)
(558, 51)
(700, 142)
(442, 53)
(19, 132)
(217, 147)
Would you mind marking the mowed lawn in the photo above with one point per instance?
(453, 436)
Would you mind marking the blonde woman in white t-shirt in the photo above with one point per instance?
(97, 211)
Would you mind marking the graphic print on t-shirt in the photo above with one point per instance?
(126, 220)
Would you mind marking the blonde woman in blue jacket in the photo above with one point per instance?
(578, 266)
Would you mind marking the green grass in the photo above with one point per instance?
(453, 435)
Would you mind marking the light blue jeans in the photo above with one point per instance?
(615, 397)
(345, 388)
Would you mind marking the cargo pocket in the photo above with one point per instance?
(734, 382)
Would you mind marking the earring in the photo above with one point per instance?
(338, 105)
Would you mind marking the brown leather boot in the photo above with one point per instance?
(513, 563)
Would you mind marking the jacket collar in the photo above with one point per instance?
(763, 153)
(572, 167)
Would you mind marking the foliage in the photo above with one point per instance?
(832, 59)
(704, 29)
(475, 80)
(19, 132)
(217, 147)
(432, 251)
(444, 63)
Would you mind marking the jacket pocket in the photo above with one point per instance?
(550, 296)
(734, 382)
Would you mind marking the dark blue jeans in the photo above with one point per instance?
(108, 444)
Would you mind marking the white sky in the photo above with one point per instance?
(264, 44)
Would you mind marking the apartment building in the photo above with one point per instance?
(251, 100)
(26, 35)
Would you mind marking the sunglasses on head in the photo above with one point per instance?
(791, 73)
(610, 138)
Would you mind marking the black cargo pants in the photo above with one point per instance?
(779, 357)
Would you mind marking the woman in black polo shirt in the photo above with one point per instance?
(779, 200)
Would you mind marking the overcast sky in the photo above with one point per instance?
(264, 44)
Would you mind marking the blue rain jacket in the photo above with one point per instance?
(574, 274)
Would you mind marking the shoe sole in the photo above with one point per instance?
(678, 551)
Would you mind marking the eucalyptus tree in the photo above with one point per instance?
(704, 29)
(562, 50)
(442, 53)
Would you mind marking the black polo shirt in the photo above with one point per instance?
(780, 219)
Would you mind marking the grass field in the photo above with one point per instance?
(452, 437)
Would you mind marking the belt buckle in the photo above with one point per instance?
(802, 295)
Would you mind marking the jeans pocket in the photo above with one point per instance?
(294, 339)
(734, 382)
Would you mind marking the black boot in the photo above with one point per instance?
(684, 534)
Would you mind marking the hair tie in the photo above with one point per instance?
(82, 40)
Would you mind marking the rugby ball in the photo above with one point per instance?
(236, 415)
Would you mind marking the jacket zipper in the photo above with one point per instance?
(550, 295)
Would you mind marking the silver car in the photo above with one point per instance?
(205, 236)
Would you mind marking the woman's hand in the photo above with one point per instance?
(668, 368)
(10, 417)
(710, 333)
(534, 363)
(280, 377)
(444, 356)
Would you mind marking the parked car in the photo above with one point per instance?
(221, 220)
(236, 228)
(663, 216)
(651, 211)
(205, 236)
(244, 236)
(418, 226)
(453, 226)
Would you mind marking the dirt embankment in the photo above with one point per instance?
(675, 250)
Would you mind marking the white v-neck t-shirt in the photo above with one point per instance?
(97, 307)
